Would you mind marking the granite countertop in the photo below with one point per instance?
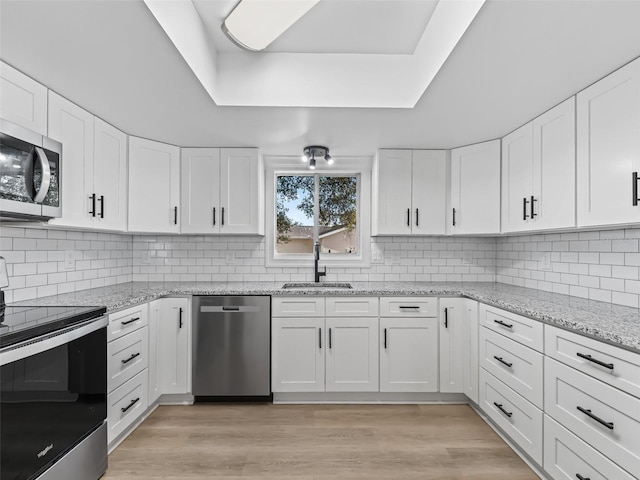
(613, 324)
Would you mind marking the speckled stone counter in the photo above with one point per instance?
(610, 323)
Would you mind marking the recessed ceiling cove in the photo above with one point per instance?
(360, 53)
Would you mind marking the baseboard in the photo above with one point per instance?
(175, 399)
(368, 397)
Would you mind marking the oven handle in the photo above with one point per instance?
(46, 176)
(48, 341)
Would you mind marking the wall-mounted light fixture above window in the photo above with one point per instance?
(313, 152)
(255, 24)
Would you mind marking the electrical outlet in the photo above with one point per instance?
(230, 257)
(376, 254)
(545, 261)
(69, 260)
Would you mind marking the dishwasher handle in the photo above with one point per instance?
(229, 309)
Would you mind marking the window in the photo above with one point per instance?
(331, 221)
(330, 207)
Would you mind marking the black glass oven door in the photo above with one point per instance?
(49, 402)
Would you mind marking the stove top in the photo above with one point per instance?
(21, 323)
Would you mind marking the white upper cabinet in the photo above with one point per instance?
(410, 192)
(109, 177)
(154, 186)
(74, 128)
(94, 167)
(23, 101)
(475, 189)
(608, 146)
(538, 172)
(222, 191)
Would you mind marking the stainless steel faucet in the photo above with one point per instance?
(316, 257)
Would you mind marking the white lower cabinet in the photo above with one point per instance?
(173, 346)
(409, 355)
(125, 405)
(452, 328)
(297, 354)
(520, 419)
(566, 457)
(352, 354)
(470, 367)
(155, 374)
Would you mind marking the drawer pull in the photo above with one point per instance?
(595, 360)
(410, 307)
(503, 362)
(133, 402)
(127, 360)
(580, 477)
(127, 322)
(446, 317)
(507, 325)
(588, 413)
(499, 405)
(385, 338)
(320, 337)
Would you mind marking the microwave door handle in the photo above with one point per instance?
(46, 175)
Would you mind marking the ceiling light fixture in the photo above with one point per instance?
(255, 24)
(312, 151)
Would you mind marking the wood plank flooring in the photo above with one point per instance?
(315, 442)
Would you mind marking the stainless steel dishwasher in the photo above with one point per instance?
(231, 348)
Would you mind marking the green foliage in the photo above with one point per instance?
(338, 201)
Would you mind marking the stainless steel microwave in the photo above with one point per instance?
(30, 174)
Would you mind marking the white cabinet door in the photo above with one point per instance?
(475, 189)
(453, 325)
(200, 190)
(608, 148)
(155, 351)
(23, 101)
(471, 357)
(241, 191)
(392, 193)
(74, 128)
(173, 343)
(517, 179)
(352, 354)
(154, 186)
(409, 355)
(109, 177)
(554, 168)
(429, 192)
(298, 346)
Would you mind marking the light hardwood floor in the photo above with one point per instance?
(315, 442)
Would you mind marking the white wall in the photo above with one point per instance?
(35, 261)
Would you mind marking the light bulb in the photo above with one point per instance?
(329, 159)
(312, 163)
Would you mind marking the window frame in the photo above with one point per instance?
(344, 166)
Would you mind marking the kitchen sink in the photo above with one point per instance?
(327, 285)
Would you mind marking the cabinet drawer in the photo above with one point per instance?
(125, 404)
(585, 406)
(297, 306)
(516, 365)
(615, 366)
(352, 306)
(521, 420)
(126, 357)
(566, 457)
(126, 321)
(408, 306)
(524, 330)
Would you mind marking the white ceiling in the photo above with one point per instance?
(517, 59)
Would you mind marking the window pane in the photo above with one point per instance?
(294, 213)
(338, 228)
